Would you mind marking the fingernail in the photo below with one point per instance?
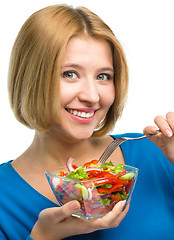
(168, 133)
(74, 205)
(122, 204)
(153, 129)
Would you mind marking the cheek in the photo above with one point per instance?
(109, 96)
(66, 94)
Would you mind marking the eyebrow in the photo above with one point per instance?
(107, 69)
(72, 65)
(80, 67)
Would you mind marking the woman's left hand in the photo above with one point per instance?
(165, 139)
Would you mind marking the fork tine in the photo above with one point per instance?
(109, 150)
(105, 153)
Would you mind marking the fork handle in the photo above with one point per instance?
(146, 136)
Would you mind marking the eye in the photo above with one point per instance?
(103, 76)
(69, 75)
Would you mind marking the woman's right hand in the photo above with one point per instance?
(58, 223)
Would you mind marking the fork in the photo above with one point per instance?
(109, 150)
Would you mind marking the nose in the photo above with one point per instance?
(89, 91)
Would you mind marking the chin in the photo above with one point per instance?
(82, 135)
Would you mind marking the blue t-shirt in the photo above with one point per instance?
(151, 213)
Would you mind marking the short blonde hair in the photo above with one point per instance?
(35, 62)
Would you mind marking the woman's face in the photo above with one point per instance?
(86, 87)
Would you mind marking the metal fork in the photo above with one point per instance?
(109, 150)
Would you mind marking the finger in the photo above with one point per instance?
(67, 210)
(58, 214)
(120, 217)
(163, 125)
(150, 130)
(170, 119)
(113, 218)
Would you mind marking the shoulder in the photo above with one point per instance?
(7, 174)
(4, 168)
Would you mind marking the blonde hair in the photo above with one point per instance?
(35, 62)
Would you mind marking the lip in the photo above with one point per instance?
(80, 119)
(87, 110)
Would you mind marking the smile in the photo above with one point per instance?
(81, 114)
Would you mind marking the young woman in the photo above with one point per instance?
(68, 80)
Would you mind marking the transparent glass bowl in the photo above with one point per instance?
(95, 199)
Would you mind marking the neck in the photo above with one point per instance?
(51, 152)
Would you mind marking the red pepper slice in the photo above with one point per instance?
(128, 186)
(93, 173)
(103, 181)
(124, 182)
(111, 180)
(95, 162)
(62, 173)
(103, 190)
(116, 197)
(114, 188)
(74, 166)
(106, 174)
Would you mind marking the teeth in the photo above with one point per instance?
(81, 114)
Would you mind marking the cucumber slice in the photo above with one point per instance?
(127, 176)
(83, 190)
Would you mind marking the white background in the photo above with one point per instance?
(145, 29)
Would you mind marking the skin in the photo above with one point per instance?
(58, 223)
(165, 139)
(86, 85)
(86, 76)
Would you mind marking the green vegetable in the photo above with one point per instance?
(94, 165)
(105, 201)
(107, 164)
(118, 168)
(108, 185)
(78, 174)
(121, 195)
(127, 176)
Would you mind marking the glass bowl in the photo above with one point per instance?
(96, 196)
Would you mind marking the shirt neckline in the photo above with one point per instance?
(28, 185)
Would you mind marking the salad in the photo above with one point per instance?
(97, 187)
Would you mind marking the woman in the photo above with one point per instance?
(68, 80)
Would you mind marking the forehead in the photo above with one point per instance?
(85, 49)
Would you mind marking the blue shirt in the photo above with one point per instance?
(151, 213)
